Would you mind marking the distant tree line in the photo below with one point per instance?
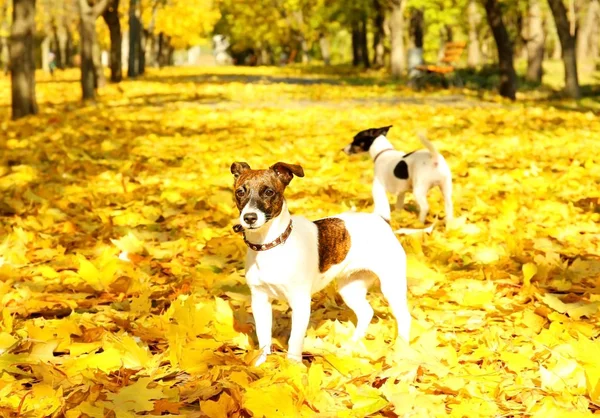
(67, 30)
(379, 32)
(376, 33)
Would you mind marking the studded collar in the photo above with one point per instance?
(264, 247)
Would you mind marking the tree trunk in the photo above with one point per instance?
(22, 68)
(4, 60)
(364, 45)
(4, 28)
(397, 58)
(378, 34)
(142, 51)
(135, 40)
(416, 27)
(567, 43)
(325, 49)
(536, 39)
(165, 51)
(91, 67)
(149, 46)
(595, 44)
(474, 49)
(87, 32)
(45, 51)
(161, 50)
(586, 39)
(98, 67)
(151, 49)
(111, 17)
(63, 59)
(356, 49)
(508, 77)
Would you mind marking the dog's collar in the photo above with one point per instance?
(381, 152)
(264, 247)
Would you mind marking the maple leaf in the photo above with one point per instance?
(134, 398)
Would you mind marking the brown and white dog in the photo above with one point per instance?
(291, 257)
(398, 173)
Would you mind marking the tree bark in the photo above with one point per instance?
(356, 50)
(595, 43)
(298, 18)
(164, 50)
(508, 77)
(364, 45)
(325, 49)
(416, 27)
(378, 34)
(586, 39)
(142, 68)
(98, 68)
(4, 60)
(62, 39)
(135, 40)
(91, 67)
(45, 50)
(474, 49)
(398, 57)
(22, 63)
(4, 27)
(536, 38)
(111, 17)
(567, 43)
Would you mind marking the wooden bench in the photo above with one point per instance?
(452, 53)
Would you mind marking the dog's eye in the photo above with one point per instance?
(240, 192)
(269, 192)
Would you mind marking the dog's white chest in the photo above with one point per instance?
(285, 269)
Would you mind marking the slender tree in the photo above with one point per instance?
(474, 48)
(536, 38)
(135, 64)
(398, 57)
(4, 27)
(417, 21)
(325, 48)
(587, 39)
(90, 65)
(22, 64)
(567, 39)
(378, 34)
(508, 76)
(111, 17)
(364, 46)
(62, 40)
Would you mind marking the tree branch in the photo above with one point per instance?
(99, 8)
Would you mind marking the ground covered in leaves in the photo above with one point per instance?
(122, 284)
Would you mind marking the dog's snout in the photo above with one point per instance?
(250, 218)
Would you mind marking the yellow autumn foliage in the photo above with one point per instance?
(122, 286)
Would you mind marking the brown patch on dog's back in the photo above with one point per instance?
(333, 242)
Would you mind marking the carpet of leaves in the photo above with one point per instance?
(122, 284)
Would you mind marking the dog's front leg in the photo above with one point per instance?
(263, 319)
(382, 205)
(300, 305)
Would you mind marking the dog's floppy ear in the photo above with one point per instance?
(384, 130)
(238, 168)
(286, 172)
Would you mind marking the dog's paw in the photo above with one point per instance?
(260, 360)
(295, 357)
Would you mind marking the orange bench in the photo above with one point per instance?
(452, 53)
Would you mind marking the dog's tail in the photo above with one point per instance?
(422, 134)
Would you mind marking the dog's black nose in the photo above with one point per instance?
(250, 218)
